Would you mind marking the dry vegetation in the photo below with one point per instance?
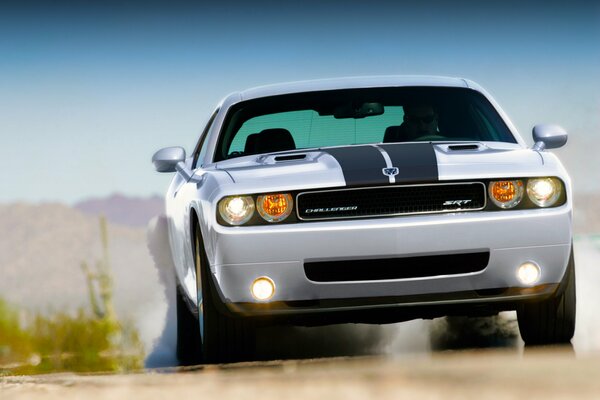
(79, 342)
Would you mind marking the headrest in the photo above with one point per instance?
(393, 134)
(272, 140)
(250, 146)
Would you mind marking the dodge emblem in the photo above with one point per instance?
(393, 171)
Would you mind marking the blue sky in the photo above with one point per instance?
(88, 91)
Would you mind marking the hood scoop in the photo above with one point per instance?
(458, 147)
(274, 159)
(289, 157)
(473, 147)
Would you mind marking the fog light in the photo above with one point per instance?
(528, 273)
(263, 288)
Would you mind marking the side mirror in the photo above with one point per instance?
(166, 160)
(547, 136)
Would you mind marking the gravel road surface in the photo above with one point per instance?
(550, 373)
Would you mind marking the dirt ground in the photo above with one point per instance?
(548, 373)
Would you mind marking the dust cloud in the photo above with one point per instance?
(163, 353)
(587, 278)
(412, 338)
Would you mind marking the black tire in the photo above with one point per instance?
(551, 321)
(188, 333)
(223, 338)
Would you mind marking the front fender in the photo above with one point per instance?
(193, 203)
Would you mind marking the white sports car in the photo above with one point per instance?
(368, 200)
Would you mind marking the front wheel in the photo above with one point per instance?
(222, 338)
(551, 321)
(188, 333)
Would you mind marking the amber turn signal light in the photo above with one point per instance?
(506, 194)
(275, 207)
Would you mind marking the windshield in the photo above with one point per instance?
(359, 116)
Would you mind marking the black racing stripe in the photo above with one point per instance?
(416, 161)
(361, 165)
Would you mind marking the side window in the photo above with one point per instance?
(200, 149)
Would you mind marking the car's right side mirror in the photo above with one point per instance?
(166, 160)
(546, 136)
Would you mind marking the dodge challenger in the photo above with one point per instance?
(366, 200)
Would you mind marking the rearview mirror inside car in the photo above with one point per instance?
(356, 111)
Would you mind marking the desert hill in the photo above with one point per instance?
(41, 250)
(123, 210)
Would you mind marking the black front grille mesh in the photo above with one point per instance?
(390, 200)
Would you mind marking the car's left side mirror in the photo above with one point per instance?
(547, 136)
(166, 160)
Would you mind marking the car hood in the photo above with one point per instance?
(486, 160)
(364, 165)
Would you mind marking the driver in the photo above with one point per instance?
(419, 120)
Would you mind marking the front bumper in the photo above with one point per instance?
(238, 255)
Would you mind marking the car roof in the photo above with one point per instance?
(349, 83)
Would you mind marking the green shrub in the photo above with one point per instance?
(63, 342)
(15, 344)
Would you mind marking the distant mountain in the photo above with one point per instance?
(124, 210)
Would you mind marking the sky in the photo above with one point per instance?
(89, 90)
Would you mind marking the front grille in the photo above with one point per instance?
(396, 268)
(390, 200)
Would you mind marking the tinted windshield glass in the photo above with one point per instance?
(359, 116)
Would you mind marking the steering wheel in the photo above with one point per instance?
(430, 137)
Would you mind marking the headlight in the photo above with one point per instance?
(274, 207)
(236, 210)
(506, 194)
(544, 192)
